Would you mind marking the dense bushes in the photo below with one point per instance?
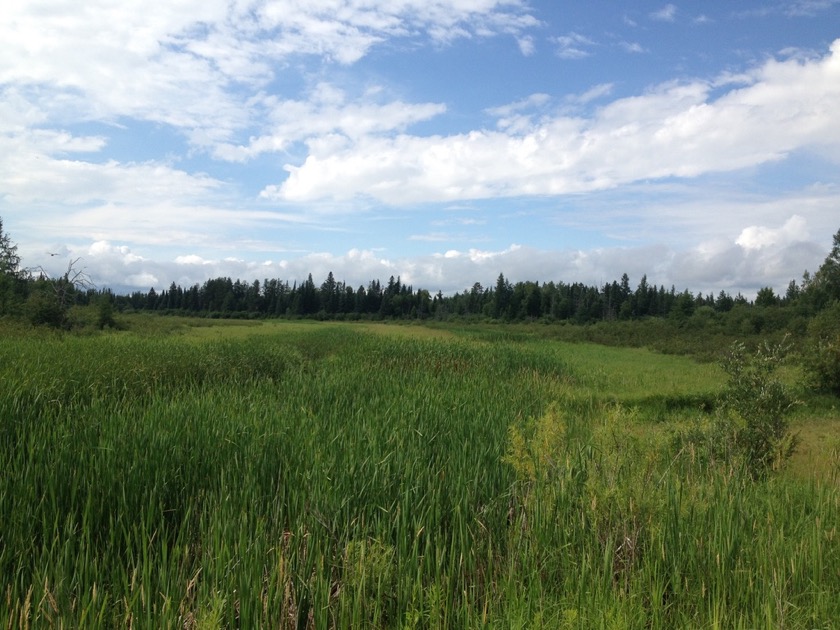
(822, 353)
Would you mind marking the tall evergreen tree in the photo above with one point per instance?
(502, 297)
(826, 281)
(9, 259)
(12, 286)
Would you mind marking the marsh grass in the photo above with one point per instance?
(335, 476)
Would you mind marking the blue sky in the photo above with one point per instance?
(443, 141)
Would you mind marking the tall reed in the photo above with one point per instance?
(327, 477)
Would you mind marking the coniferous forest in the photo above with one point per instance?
(45, 300)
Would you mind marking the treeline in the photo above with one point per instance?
(46, 300)
(520, 301)
(333, 299)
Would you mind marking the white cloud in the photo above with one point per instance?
(573, 46)
(594, 93)
(757, 237)
(192, 259)
(327, 120)
(809, 8)
(632, 47)
(760, 256)
(217, 71)
(526, 45)
(667, 13)
(432, 237)
(183, 64)
(674, 130)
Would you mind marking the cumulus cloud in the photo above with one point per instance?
(741, 267)
(757, 237)
(673, 130)
(183, 63)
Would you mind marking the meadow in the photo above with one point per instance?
(194, 474)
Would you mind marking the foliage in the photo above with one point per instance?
(44, 308)
(9, 259)
(822, 352)
(50, 299)
(105, 313)
(12, 278)
(317, 475)
(759, 404)
(824, 287)
(613, 506)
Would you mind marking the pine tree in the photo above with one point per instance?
(827, 279)
(9, 259)
(12, 281)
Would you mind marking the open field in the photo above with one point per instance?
(332, 475)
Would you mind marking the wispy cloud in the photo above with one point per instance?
(184, 64)
(793, 9)
(809, 8)
(573, 46)
(668, 13)
(594, 93)
(328, 118)
(632, 47)
(530, 102)
(526, 45)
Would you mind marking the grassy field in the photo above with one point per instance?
(327, 475)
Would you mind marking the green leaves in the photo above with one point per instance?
(760, 403)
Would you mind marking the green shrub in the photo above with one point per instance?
(43, 308)
(822, 354)
(758, 403)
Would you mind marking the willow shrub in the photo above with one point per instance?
(759, 404)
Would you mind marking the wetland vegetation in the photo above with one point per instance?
(332, 475)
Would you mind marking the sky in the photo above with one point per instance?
(441, 141)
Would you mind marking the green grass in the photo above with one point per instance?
(359, 475)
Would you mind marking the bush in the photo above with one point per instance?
(750, 429)
(821, 359)
(44, 308)
(758, 404)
